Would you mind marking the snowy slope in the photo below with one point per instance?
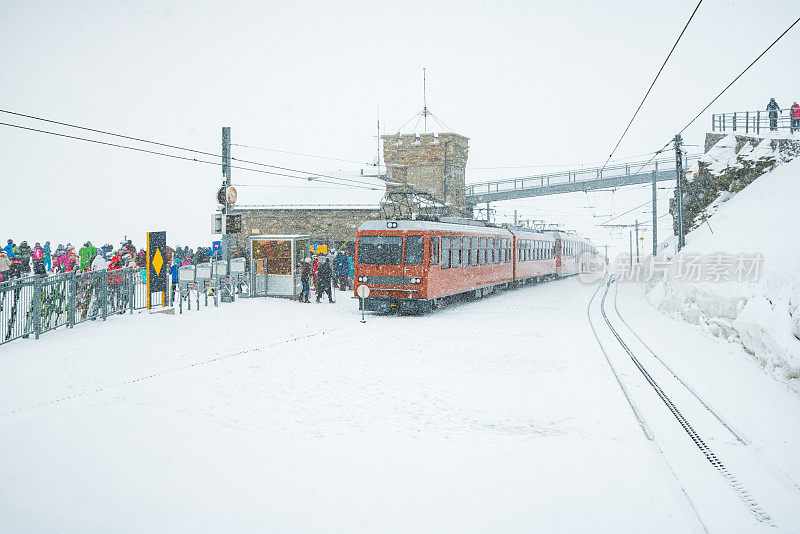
(762, 314)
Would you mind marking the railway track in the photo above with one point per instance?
(677, 420)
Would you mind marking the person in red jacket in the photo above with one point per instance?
(795, 117)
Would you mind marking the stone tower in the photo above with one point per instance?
(430, 163)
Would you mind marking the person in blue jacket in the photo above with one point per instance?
(48, 261)
(173, 271)
(341, 270)
(10, 249)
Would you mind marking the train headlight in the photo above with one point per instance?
(360, 278)
(416, 280)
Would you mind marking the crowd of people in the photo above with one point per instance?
(17, 261)
(324, 274)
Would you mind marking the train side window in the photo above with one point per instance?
(456, 251)
(536, 250)
(509, 250)
(413, 250)
(445, 252)
(475, 251)
(467, 257)
(503, 250)
(497, 250)
(491, 251)
(434, 250)
(482, 251)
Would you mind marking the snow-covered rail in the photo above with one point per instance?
(670, 390)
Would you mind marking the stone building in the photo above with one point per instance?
(430, 163)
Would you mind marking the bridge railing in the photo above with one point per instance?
(754, 121)
(573, 176)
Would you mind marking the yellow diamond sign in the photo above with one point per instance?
(158, 261)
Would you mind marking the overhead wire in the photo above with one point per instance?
(176, 147)
(174, 156)
(302, 154)
(664, 64)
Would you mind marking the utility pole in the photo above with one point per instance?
(630, 246)
(655, 218)
(226, 176)
(679, 190)
(637, 240)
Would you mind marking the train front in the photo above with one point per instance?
(389, 260)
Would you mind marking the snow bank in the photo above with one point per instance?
(761, 312)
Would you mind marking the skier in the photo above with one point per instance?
(48, 262)
(795, 117)
(24, 254)
(773, 109)
(99, 263)
(324, 275)
(87, 253)
(9, 248)
(305, 275)
(38, 260)
(5, 266)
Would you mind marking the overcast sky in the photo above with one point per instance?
(530, 83)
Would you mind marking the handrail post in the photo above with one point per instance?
(746, 122)
(758, 121)
(734, 121)
(72, 301)
(713, 122)
(37, 306)
(723, 122)
(104, 293)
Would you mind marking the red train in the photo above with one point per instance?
(413, 266)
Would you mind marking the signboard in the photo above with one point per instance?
(157, 268)
(363, 291)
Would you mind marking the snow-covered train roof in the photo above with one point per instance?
(422, 226)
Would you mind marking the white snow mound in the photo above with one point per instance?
(763, 314)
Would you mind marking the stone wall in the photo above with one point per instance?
(323, 225)
(430, 163)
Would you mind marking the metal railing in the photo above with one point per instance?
(755, 121)
(573, 176)
(34, 304)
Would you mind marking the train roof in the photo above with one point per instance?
(427, 225)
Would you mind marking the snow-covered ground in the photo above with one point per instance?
(268, 415)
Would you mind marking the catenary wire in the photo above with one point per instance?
(174, 156)
(166, 145)
(302, 154)
(653, 83)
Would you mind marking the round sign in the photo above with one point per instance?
(231, 195)
(362, 291)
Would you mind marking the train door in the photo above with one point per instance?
(558, 253)
(413, 257)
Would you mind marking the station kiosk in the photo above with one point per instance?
(276, 263)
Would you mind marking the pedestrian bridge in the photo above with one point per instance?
(570, 181)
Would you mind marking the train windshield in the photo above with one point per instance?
(380, 249)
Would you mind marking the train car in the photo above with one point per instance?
(534, 255)
(575, 254)
(415, 265)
